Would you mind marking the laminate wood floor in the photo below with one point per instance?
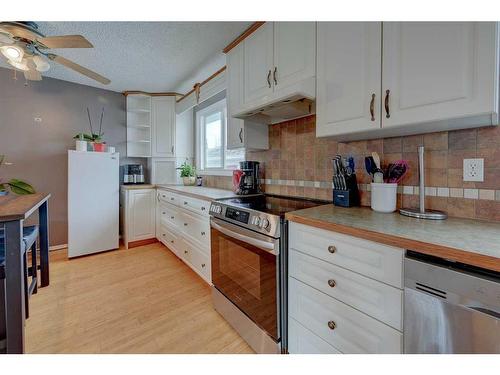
(141, 300)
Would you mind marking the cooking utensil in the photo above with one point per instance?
(376, 159)
(396, 171)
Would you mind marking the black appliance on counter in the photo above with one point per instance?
(249, 251)
(249, 181)
(133, 174)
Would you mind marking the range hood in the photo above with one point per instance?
(286, 109)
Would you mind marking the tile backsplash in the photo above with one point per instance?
(299, 164)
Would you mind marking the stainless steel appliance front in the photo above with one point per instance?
(245, 274)
(450, 310)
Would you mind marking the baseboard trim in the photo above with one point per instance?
(142, 242)
(58, 247)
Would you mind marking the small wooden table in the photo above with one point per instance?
(14, 209)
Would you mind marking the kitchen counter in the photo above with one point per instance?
(199, 192)
(473, 242)
(138, 186)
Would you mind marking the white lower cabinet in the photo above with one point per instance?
(184, 227)
(138, 215)
(345, 294)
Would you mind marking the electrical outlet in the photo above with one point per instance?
(474, 170)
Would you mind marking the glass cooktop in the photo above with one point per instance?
(273, 204)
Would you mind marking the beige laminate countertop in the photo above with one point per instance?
(473, 242)
(199, 192)
(138, 186)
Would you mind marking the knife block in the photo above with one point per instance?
(348, 197)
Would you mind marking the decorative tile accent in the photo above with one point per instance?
(456, 192)
(487, 194)
(471, 193)
(443, 192)
(497, 195)
(408, 190)
(430, 191)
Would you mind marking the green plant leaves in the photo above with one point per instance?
(187, 170)
(20, 187)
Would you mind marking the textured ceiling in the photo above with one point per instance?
(147, 56)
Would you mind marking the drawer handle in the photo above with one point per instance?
(163, 234)
(202, 233)
(185, 224)
(163, 213)
(332, 249)
(163, 196)
(171, 241)
(185, 202)
(172, 217)
(203, 208)
(331, 324)
(203, 265)
(171, 198)
(332, 283)
(185, 251)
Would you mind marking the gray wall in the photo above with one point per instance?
(39, 149)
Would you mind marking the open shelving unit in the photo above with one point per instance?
(138, 125)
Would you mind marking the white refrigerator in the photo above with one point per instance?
(93, 202)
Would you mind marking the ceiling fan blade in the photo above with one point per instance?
(65, 41)
(32, 74)
(19, 31)
(78, 68)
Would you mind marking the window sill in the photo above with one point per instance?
(220, 172)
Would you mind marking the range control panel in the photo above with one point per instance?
(257, 221)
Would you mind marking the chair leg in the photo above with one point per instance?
(26, 285)
(34, 270)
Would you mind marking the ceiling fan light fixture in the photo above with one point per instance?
(19, 65)
(12, 53)
(41, 64)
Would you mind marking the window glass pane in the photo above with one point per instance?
(233, 158)
(213, 140)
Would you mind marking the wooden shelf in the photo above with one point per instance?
(139, 126)
(138, 110)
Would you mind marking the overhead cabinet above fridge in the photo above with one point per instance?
(276, 77)
(379, 79)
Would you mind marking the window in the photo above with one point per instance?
(213, 156)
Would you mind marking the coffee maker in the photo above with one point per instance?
(133, 174)
(247, 181)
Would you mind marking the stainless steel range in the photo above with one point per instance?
(249, 266)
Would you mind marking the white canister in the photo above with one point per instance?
(384, 197)
(81, 145)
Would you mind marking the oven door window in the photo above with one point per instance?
(246, 275)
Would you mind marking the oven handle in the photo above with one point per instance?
(270, 247)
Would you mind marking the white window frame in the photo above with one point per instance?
(221, 106)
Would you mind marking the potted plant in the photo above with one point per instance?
(94, 139)
(188, 174)
(16, 186)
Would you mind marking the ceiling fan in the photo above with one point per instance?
(26, 49)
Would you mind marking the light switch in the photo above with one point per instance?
(474, 170)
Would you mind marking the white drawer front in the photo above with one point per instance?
(303, 341)
(169, 214)
(374, 298)
(354, 332)
(169, 238)
(198, 259)
(197, 229)
(169, 197)
(380, 262)
(197, 206)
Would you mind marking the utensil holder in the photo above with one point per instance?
(384, 197)
(348, 197)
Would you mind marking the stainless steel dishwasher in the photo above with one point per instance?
(450, 307)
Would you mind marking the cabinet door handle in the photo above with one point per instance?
(172, 217)
(331, 324)
(269, 78)
(172, 149)
(332, 249)
(275, 74)
(185, 224)
(372, 107)
(386, 103)
(163, 213)
(241, 135)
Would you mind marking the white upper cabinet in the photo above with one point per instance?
(294, 54)
(348, 77)
(437, 71)
(241, 133)
(279, 63)
(163, 126)
(258, 64)
(432, 76)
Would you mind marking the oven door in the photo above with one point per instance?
(244, 270)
